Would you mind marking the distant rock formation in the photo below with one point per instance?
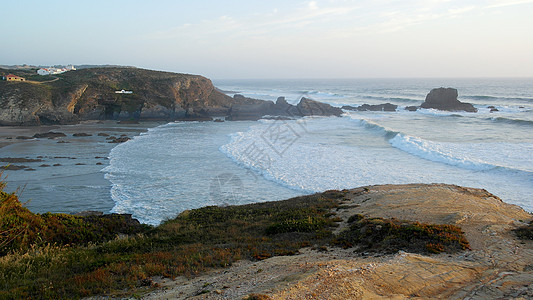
(89, 94)
(446, 99)
(368, 107)
(256, 109)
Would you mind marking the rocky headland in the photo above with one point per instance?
(130, 94)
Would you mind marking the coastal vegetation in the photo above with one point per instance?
(64, 256)
(525, 232)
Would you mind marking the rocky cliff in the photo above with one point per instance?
(90, 94)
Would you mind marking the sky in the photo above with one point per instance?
(276, 39)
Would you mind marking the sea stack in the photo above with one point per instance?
(446, 99)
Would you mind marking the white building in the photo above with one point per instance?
(53, 71)
(123, 92)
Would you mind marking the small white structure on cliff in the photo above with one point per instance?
(123, 92)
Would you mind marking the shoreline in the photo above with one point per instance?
(63, 174)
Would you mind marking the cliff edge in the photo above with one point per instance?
(499, 265)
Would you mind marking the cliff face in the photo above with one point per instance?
(89, 94)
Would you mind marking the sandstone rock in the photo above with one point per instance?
(446, 99)
(498, 265)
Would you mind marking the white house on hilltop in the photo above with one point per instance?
(53, 71)
(123, 92)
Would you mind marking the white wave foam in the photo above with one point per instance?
(478, 157)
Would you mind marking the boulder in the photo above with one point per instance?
(446, 99)
(308, 107)
(412, 108)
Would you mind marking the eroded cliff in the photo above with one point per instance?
(90, 94)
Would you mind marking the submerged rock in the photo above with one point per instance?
(446, 99)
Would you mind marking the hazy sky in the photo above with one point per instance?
(277, 39)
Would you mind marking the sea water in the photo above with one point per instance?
(184, 165)
(180, 166)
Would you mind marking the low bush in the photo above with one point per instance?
(391, 235)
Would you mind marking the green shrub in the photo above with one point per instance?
(391, 235)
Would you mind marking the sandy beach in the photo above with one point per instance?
(63, 173)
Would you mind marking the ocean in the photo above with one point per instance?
(183, 165)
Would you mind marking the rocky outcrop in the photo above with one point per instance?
(498, 266)
(96, 94)
(309, 107)
(89, 94)
(255, 109)
(368, 107)
(446, 99)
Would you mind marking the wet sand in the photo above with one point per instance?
(63, 174)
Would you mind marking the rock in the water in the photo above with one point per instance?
(253, 109)
(308, 107)
(369, 107)
(121, 139)
(49, 135)
(446, 99)
(80, 134)
(378, 107)
(412, 108)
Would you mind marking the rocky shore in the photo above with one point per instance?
(499, 265)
